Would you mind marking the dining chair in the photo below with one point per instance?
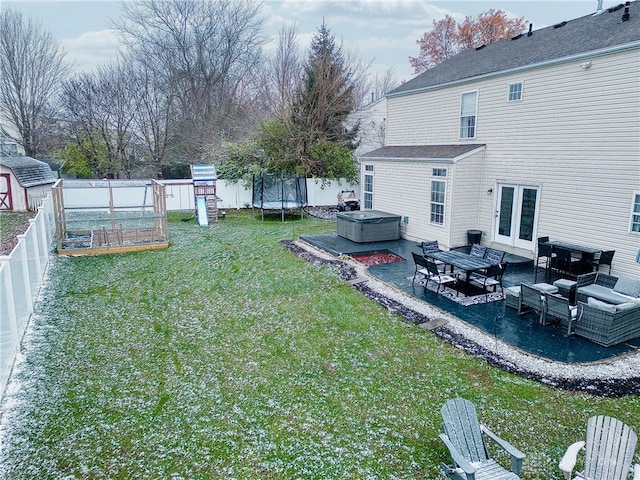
(432, 246)
(477, 250)
(545, 251)
(565, 261)
(604, 258)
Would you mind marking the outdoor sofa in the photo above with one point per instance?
(608, 309)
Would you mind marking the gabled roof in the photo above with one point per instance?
(28, 171)
(432, 153)
(588, 35)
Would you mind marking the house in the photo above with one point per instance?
(538, 135)
(24, 182)
(371, 121)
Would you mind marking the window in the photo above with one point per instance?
(468, 107)
(438, 191)
(515, 92)
(368, 187)
(635, 213)
(439, 172)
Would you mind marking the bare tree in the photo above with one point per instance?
(32, 67)
(206, 53)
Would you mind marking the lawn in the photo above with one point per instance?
(226, 356)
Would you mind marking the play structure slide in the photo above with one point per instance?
(201, 209)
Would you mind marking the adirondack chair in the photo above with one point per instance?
(463, 436)
(609, 451)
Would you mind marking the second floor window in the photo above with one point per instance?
(515, 92)
(468, 107)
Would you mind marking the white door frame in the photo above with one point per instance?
(513, 227)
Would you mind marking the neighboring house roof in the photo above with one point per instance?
(433, 153)
(29, 171)
(592, 34)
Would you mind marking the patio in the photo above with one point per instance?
(523, 332)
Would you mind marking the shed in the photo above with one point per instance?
(24, 182)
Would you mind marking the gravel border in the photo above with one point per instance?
(615, 378)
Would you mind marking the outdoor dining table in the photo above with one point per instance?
(461, 261)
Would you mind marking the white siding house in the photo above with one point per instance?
(533, 136)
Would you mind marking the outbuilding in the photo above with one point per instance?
(24, 183)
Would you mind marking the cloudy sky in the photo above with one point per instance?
(383, 32)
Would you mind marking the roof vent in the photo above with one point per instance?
(517, 36)
(480, 47)
(625, 15)
(561, 24)
(530, 30)
(617, 7)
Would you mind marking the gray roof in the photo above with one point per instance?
(588, 34)
(442, 153)
(29, 171)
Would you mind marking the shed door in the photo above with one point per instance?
(516, 215)
(6, 201)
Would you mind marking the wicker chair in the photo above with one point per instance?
(545, 252)
(606, 327)
(558, 307)
(530, 299)
(605, 258)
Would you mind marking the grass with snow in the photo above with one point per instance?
(225, 356)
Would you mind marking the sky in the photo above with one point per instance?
(381, 32)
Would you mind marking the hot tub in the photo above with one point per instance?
(368, 226)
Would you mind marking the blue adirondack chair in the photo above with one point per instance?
(464, 436)
(609, 450)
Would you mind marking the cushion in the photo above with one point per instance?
(628, 286)
(545, 288)
(607, 307)
(625, 306)
(605, 294)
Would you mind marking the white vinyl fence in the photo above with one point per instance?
(235, 195)
(21, 276)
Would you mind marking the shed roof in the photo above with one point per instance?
(29, 171)
(591, 34)
(433, 153)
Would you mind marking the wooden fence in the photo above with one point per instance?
(21, 276)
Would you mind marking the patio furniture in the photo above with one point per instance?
(464, 262)
(512, 297)
(489, 278)
(606, 324)
(581, 257)
(430, 271)
(567, 288)
(609, 450)
(558, 308)
(477, 250)
(604, 258)
(463, 435)
(494, 256)
(564, 262)
(607, 288)
(532, 297)
(545, 251)
(431, 247)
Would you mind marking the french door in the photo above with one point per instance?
(516, 215)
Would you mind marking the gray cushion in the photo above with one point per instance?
(607, 307)
(605, 294)
(625, 306)
(628, 286)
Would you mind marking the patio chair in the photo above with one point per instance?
(494, 256)
(463, 436)
(609, 450)
(490, 278)
(605, 258)
(421, 266)
(564, 261)
(439, 277)
(545, 252)
(530, 299)
(431, 247)
(477, 250)
(558, 307)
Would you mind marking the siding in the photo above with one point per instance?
(575, 134)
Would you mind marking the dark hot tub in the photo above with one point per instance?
(368, 226)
